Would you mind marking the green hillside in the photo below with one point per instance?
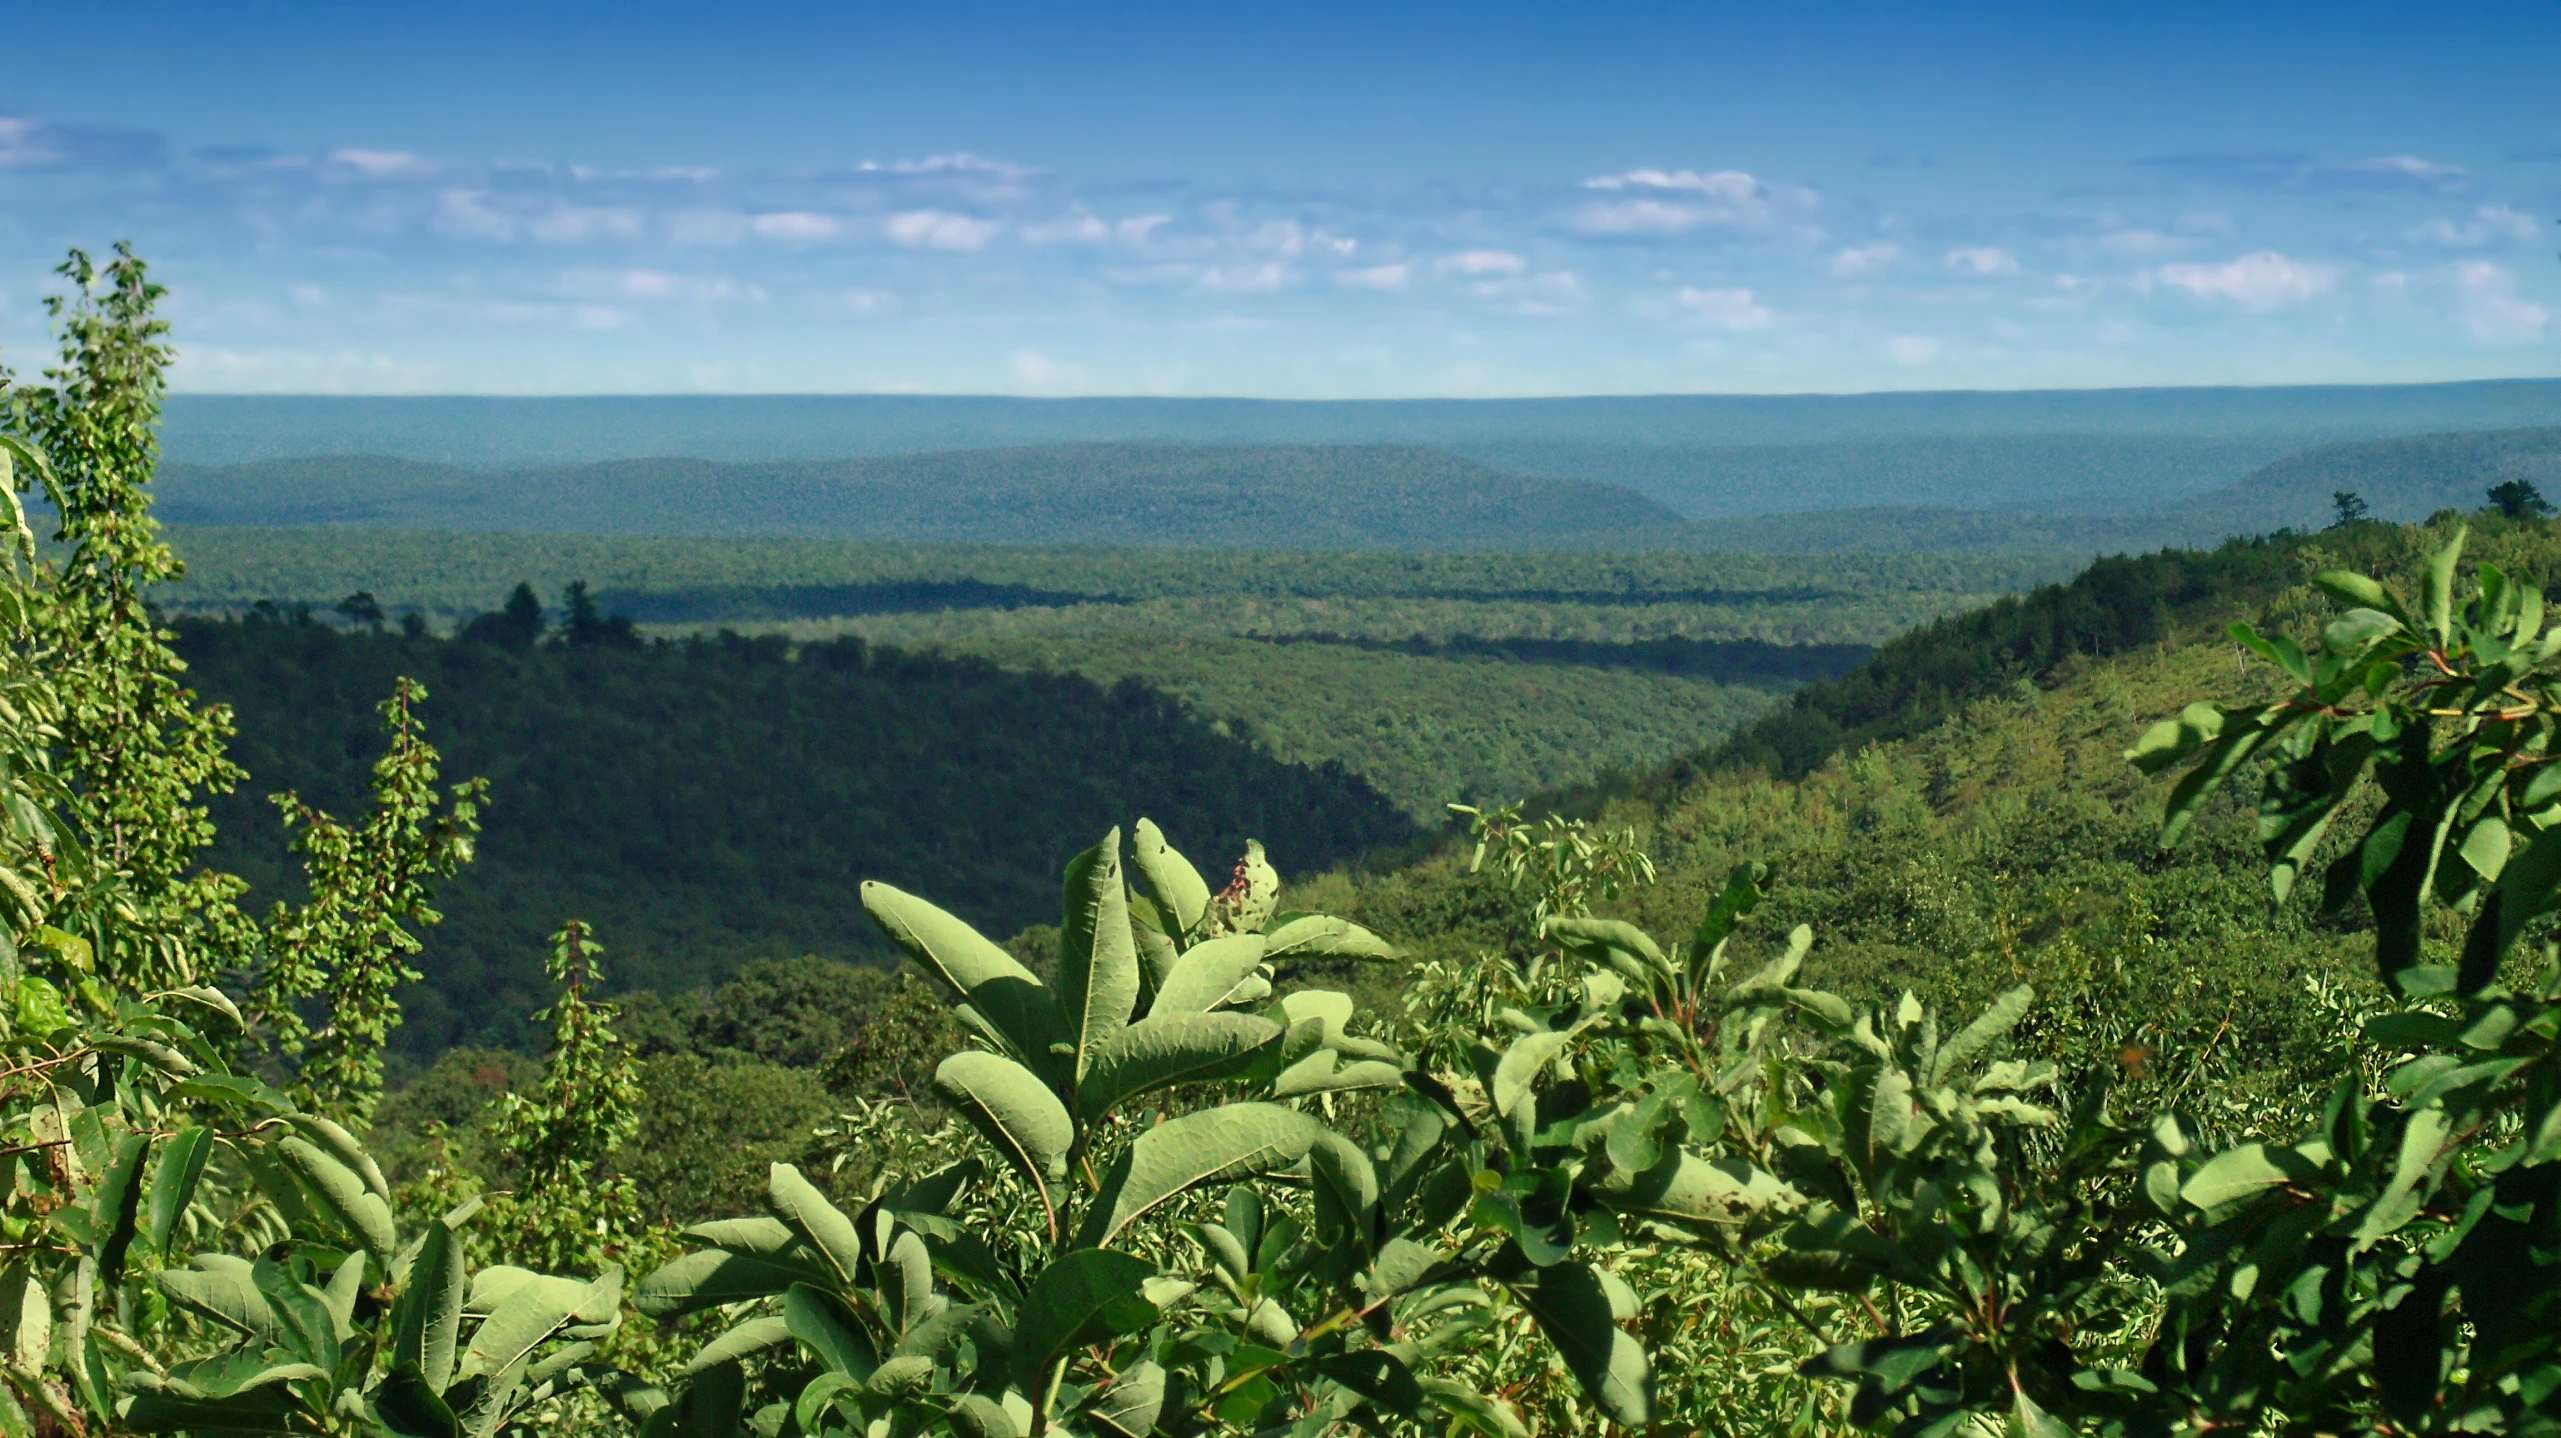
(2402, 479)
(705, 804)
(1308, 497)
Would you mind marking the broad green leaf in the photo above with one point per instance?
(742, 1340)
(116, 1207)
(1578, 1311)
(221, 1287)
(831, 1334)
(528, 1317)
(1996, 1021)
(343, 1147)
(342, 1194)
(406, 1404)
(1490, 1416)
(2423, 1141)
(28, 1310)
(2027, 1420)
(1346, 1191)
(1323, 1072)
(2527, 884)
(1207, 973)
(2239, 1173)
(1516, 1076)
(711, 1278)
(2441, 568)
(1087, 1295)
(761, 1236)
(302, 1313)
(1323, 936)
(1211, 1146)
(1379, 1376)
(2355, 590)
(426, 1319)
(1167, 1049)
(799, 1203)
(173, 1185)
(1133, 1402)
(1097, 954)
(1684, 1186)
(1176, 886)
(1016, 1111)
(907, 1281)
(1007, 1000)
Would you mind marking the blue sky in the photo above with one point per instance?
(1305, 200)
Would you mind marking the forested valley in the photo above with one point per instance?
(2123, 1007)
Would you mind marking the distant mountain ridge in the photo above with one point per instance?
(1301, 497)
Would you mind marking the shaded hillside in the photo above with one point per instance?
(707, 804)
(2402, 479)
(2042, 474)
(1307, 497)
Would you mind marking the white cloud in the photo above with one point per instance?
(1033, 370)
(1640, 217)
(1733, 186)
(2488, 225)
(2407, 167)
(309, 296)
(382, 164)
(1912, 349)
(1859, 261)
(940, 230)
(468, 213)
(794, 226)
(1375, 277)
(2261, 280)
(2487, 299)
(961, 162)
(1085, 228)
(865, 302)
(1482, 262)
(1727, 309)
(1983, 260)
(1257, 278)
(572, 224)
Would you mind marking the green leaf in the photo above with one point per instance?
(742, 1340)
(1088, 1295)
(1211, 1146)
(711, 1278)
(221, 1287)
(1517, 1074)
(831, 1334)
(173, 1185)
(1133, 1402)
(1016, 1111)
(1996, 1022)
(1377, 1375)
(2423, 1141)
(2029, 1421)
(2441, 569)
(426, 1319)
(116, 1207)
(1323, 936)
(2524, 891)
(529, 1316)
(1008, 1003)
(409, 1406)
(2241, 1173)
(1097, 954)
(1165, 1049)
(1684, 1186)
(343, 1147)
(342, 1194)
(1207, 973)
(1176, 886)
(1346, 1191)
(800, 1204)
(310, 1332)
(1578, 1309)
(906, 1281)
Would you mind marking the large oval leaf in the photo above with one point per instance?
(1207, 973)
(1097, 954)
(1008, 1003)
(1176, 886)
(1578, 1308)
(1211, 1146)
(342, 1193)
(1322, 935)
(713, 1277)
(799, 1204)
(1017, 1112)
(1088, 1295)
(1165, 1049)
(426, 1320)
(1684, 1186)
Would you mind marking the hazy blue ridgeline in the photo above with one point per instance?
(503, 432)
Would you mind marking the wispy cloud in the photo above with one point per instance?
(2260, 281)
(1732, 309)
(1860, 261)
(2486, 298)
(1983, 260)
(2488, 225)
(1375, 277)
